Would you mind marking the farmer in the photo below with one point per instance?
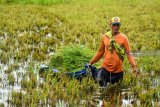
(114, 45)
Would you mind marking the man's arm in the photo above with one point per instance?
(99, 53)
(131, 59)
(130, 56)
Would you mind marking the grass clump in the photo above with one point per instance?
(71, 58)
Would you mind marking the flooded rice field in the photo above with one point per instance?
(22, 85)
(21, 82)
(32, 33)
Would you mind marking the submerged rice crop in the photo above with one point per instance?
(65, 34)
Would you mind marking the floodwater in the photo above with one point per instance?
(6, 89)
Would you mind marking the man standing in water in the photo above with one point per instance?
(114, 45)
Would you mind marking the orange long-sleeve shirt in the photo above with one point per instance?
(111, 60)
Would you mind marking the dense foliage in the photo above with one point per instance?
(45, 28)
(71, 58)
(38, 31)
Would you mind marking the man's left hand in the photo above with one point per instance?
(135, 70)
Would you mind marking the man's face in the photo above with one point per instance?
(115, 27)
